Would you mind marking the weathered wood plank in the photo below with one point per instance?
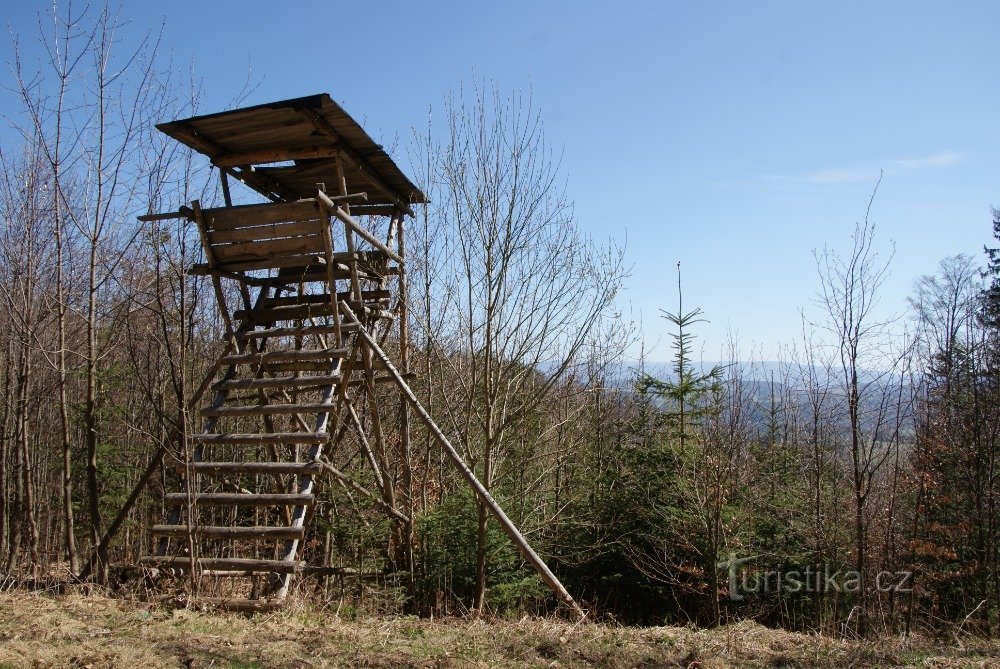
(269, 248)
(268, 409)
(310, 330)
(296, 261)
(240, 499)
(183, 563)
(230, 218)
(224, 532)
(300, 366)
(267, 438)
(285, 356)
(275, 468)
(353, 225)
(320, 298)
(295, 313)
(281, 382)
(275, 155)
(269, 231)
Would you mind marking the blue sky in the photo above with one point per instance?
(735, 138)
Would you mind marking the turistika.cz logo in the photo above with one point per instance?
(744, 579)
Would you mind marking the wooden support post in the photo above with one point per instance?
(328, 242)
(404, 407)
(216, 284)
(224, 178)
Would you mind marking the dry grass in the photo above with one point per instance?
(37, 630)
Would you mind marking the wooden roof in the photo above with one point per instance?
(308, 132)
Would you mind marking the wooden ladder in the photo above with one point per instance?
(247, 481)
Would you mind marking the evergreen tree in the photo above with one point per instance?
(991, 296)
(686, 395)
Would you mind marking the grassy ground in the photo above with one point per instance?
(37, 630)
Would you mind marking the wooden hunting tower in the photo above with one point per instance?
(319, 299)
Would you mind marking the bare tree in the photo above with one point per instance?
(526, 286)
(869, 363)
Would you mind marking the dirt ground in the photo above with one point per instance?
(38, 630)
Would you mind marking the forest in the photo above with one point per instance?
(685, 492)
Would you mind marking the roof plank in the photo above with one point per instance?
(311, 131)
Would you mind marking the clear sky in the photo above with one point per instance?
(734, 137)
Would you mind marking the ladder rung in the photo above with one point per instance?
(240, 499)
(293, 313)
(297, 332)
(297, 366)
(232, 564)
(280, 382)
(340, 271)
(253, 467)
(269, 438)
(271, 314)
(266, 409)
(225, 532)
(285, 356)
(324, 298)
(299, 262)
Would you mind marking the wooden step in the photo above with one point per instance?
(267, 438)
(274, 314)
(267, 409)
(323, 298)
(297, 332)
(240, 499)
(280, 382)
(257, 397)
(295, 366)
(245, 215)
(318, 273)
(306, 354)
(225, 468)
(183, 563)
(263, 249)
(268, 231)
(292, 313)
(225, 532)
(299, 262)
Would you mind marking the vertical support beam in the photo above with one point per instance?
(352, 250)
(404, 406)
(328, 241)
(220, 297)
(224, 178)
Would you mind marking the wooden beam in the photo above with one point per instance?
(264, 185)
(359, 163)
(242, 565)
(183, 212)
(364, 234)
(261, 532)
(274, 156)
